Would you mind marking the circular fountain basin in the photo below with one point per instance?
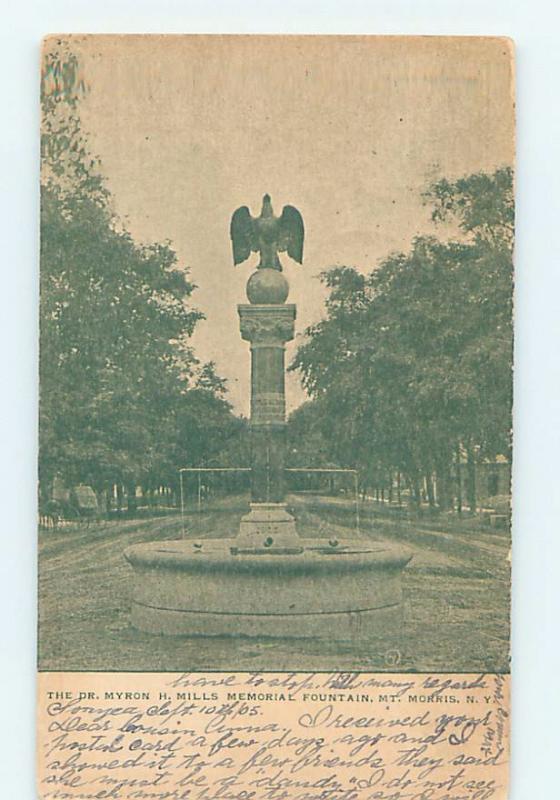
(321, 589)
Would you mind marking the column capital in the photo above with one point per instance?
(271, 325)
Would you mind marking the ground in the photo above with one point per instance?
(456, 595)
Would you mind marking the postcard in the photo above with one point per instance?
(275, 417)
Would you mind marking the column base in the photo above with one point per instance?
(268, 527)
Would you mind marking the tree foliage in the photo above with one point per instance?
(123, 397)
(412, 364)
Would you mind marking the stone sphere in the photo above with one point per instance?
(267, 286)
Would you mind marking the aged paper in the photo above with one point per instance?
(275, 417)
(276, 736)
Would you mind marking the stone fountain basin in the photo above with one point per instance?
(351, 590)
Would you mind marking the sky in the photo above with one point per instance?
(351, 130)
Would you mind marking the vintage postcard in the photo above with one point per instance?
(275, 417)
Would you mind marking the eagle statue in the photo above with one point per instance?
(267, 235)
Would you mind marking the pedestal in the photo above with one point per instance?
(268, 525)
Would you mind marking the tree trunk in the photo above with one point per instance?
(131, 497)
(459, 482)
(430, 490)
(119, 497)
(399, 501)
(444, 493)
(416, 496)
(471, 480)
(108, 497)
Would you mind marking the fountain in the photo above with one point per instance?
(267, 580)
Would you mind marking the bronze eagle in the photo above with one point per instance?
(267, 235)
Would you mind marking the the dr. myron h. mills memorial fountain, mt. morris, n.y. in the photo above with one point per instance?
(266, 580)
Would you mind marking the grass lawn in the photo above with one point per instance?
(456, 592)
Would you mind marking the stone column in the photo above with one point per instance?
(268, 327)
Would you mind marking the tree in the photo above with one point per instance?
(412, 364)
(120, 383)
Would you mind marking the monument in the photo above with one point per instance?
(267, 580)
